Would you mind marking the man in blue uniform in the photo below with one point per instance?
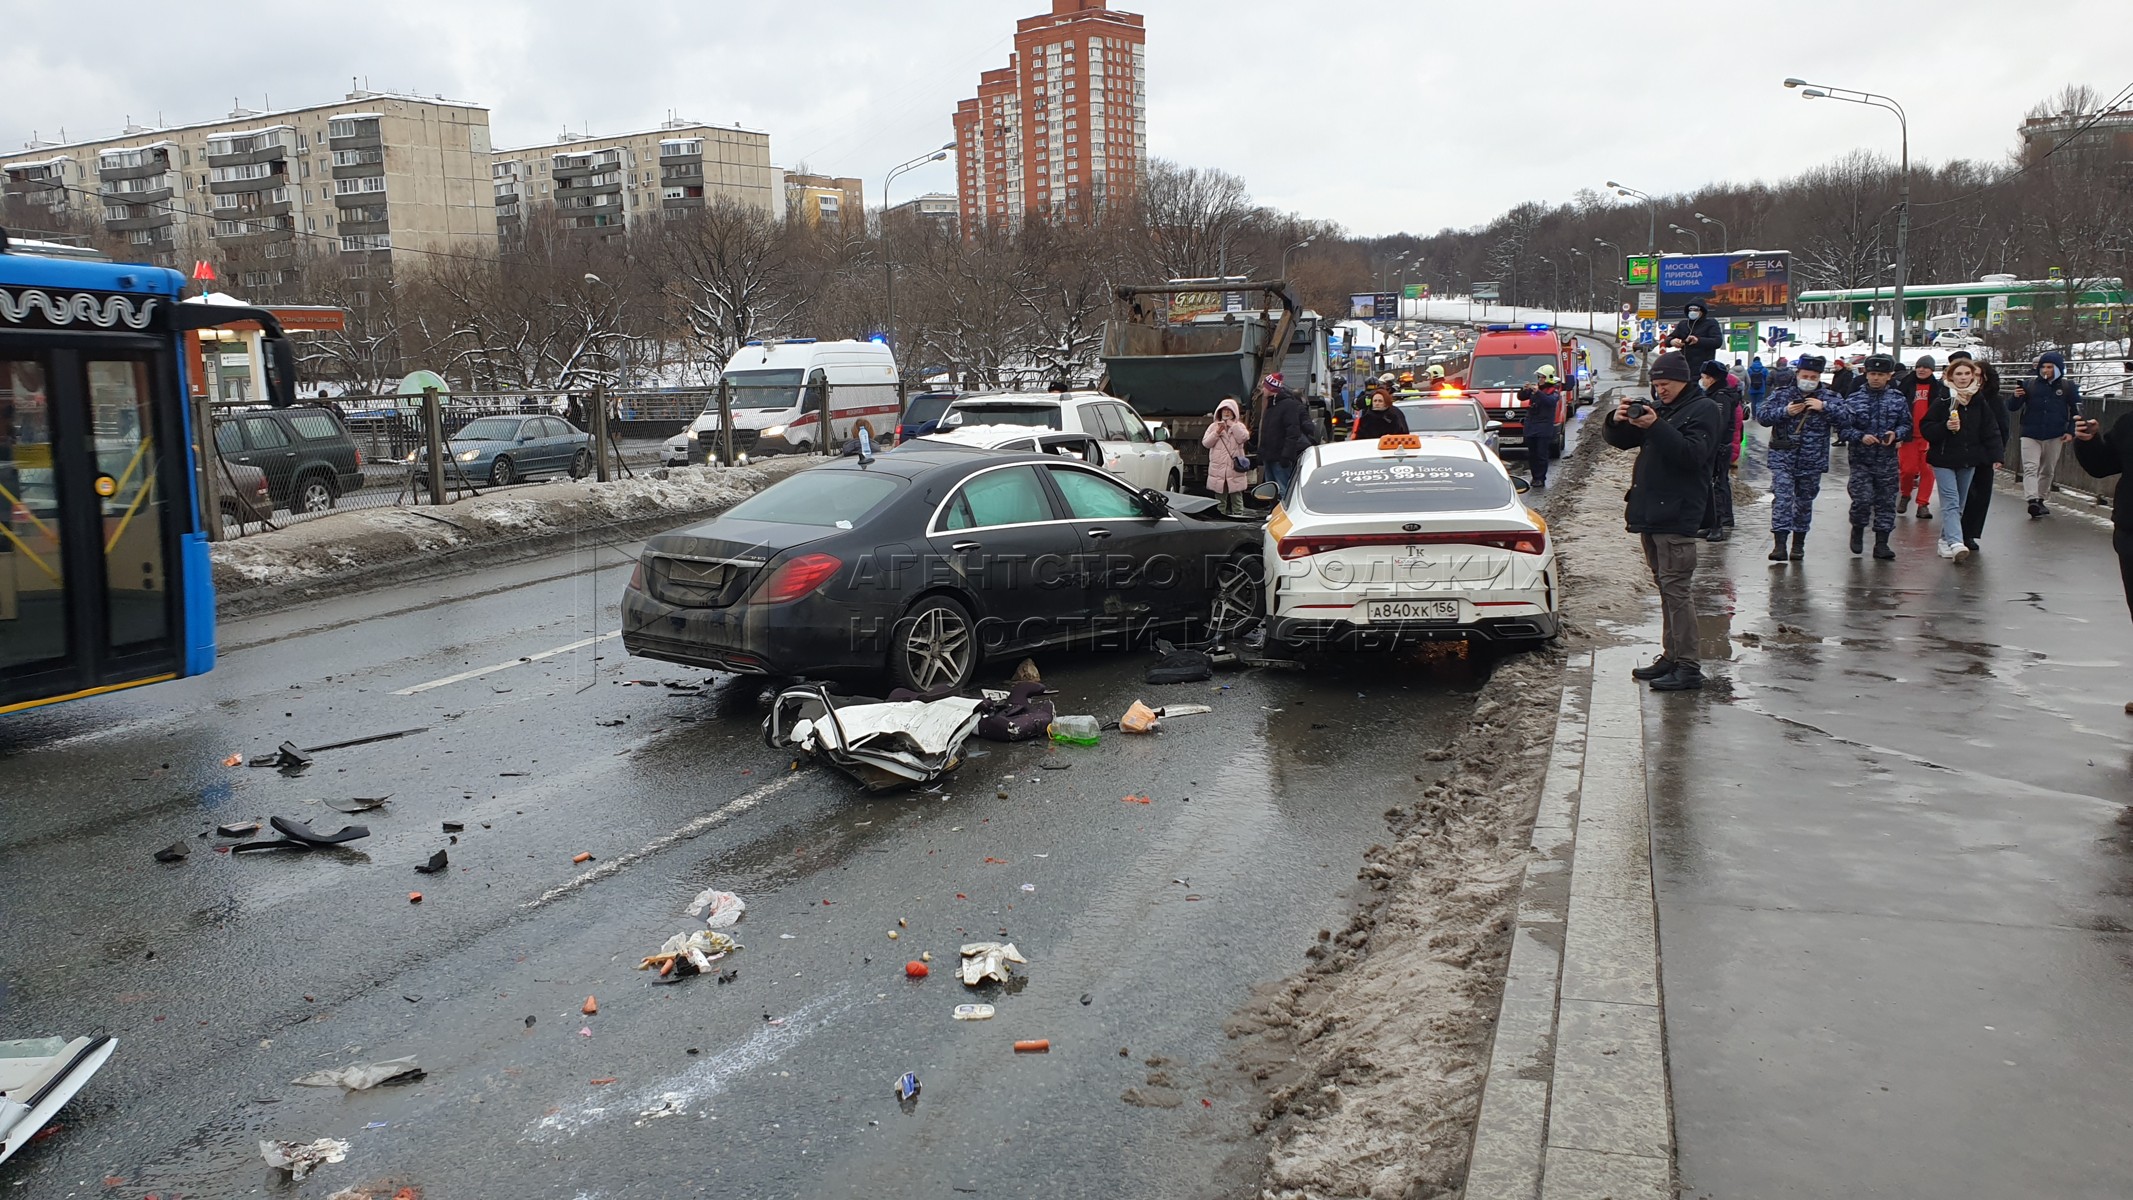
(1873, 421)
(1798, 416)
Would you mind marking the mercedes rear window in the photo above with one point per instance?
(831, 499)
(1407, 484)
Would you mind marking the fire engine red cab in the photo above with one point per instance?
(1505, 359)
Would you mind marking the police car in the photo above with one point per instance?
(1408, 538)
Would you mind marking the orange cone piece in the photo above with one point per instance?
(592, 1005)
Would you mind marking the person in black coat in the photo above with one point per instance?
(1285, 434)
(2103, 455)
(1964, 437)
(1716, 383)
(1698, 334)
(1381, 418)
(1675, 431)
(1979, 503)
(1845, 381)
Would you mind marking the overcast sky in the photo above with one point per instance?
(1411, 115)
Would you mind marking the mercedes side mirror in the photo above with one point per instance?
(1155, 503)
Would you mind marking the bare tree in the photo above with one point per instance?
(1195, 217)
(727, 269)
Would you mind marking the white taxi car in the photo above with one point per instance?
(1408, 538)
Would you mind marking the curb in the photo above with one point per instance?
(1576, 1105)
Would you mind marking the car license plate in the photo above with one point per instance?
(1410, 610)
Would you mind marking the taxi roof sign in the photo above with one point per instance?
(1399, 441)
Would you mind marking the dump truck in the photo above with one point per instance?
(1174, 350)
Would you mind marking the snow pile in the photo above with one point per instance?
(366, 540)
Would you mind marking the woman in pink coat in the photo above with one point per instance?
(1226, 440)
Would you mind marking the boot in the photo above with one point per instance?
(1799, 549)
(1777, 547)
(1858, 538)
(1924, 513)
(1662, 666)
(1687, 677)
(1903, 505)
(1881, 546)
(1715, 535)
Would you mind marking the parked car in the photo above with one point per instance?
(1017, 439)
(1408, 538)
(1134, 452)
(504, 450)
(309, 459)
(922, 414)
(1452, 417)
(243, 496)
(920, 564)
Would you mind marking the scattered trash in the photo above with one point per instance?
(907, 1086)
(1076, 731)
(237, 829)
(893, 935)
(529, 1022)
(1137, 799)
(175, 852)
(720, 910)
(916, 970)
(356, 804)
(1184, 710)
(37, 1078)
(234, 760)
(301, 1158)
(436, 863)
(1017, 716)
(591, 1006)
(1034, 1046)
(1139, 718)
(288, 756)
(1029, 887)
(1056, 764)
(609, 722)
(364, 740)
(925, 956)
(364, 1076)
(973, 1012)
(885, 746)
(296, 835)
(414, 897)
(581, 857)
(1087, 999)
(585, 1031)
(684, 955)
(988, 960)
(1026, 672)
(1180, 666)
(455, 826)
(1276, 664)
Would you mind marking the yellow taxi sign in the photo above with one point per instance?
(1399, 441)
(106, 486)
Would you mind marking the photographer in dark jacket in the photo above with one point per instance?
(1676, 432)
(2104, 455)
(1285, 434)
(1698, 334)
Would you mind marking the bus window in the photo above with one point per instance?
(33, 594)
(122, 413)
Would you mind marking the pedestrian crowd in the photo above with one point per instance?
(1909, 437)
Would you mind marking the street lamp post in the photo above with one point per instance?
(1725, 237)
(1903, 198)
(1591, 297)
(1555, 289)
(1651, 209)
(1291, 250)
(1689, 233)
(888, 265)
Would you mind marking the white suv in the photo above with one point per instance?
(1133, 450)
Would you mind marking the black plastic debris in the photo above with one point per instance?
(296, 835)
(365, 740)
(237, 829)
(1180, 666)
(175, 852)
(455, 826)
(437, 863)
(288, 756)
(356, 804)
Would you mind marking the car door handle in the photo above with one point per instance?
(964, 547)
(1098, 533)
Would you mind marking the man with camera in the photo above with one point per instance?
(1675, 431)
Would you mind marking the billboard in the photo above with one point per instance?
(1485, 290)
(1755, 284)
(1363, 306)
(1638, 270)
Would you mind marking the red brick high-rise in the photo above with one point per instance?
(1060, 133)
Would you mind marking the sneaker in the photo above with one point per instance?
(1658, 668)
(1947, 550)
(1924, 513)
(1958, 551)
(2036, 509)
(1685, 678)
(1903, 505)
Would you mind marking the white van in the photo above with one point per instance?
(775, 399)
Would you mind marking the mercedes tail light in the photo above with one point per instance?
(1521, 541)
(797, 577)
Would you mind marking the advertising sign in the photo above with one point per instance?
(1184, 306)
(1388, 306)
(1416, 291)
(1639, 270)
(1729, 285)
(1363, 306)
(1486, 290)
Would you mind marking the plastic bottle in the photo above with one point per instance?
(1076, 731)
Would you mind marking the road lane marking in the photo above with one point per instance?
(732, 808)
(478, 672)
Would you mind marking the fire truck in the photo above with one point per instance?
(1505, 359)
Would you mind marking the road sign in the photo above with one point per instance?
(1640, 270)
(1486, 290)
(203, 271)
(1963, 322)
(1740, 335)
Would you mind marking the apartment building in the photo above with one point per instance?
(825, 200)
(938, 207)
(373, 180)
(602, 186)
(1061, 132)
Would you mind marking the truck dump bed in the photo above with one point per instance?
(1183, 370)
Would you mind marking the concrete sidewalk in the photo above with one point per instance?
(1893, 858)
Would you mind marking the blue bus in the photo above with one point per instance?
(104, 580)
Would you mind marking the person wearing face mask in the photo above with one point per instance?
(2049, 404)
(1874, 421)
(1798, 417)
(1964, 440)
(1698, 335)
(1913, 474)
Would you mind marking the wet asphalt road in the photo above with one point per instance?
(225, 977)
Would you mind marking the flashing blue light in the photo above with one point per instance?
(753, 342)
(797, 341)
(1499, 328)
(879, 339)
(1541, 327)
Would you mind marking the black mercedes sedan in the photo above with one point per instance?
(921, 564)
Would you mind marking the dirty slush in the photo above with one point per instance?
(1372, 1058)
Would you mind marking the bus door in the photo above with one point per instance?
(92, 480)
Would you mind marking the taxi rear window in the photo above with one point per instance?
(1408, 483)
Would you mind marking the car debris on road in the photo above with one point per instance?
(885, 745)
(301, 1158)
(37, 1078)
(720, 910)
(364, 1076)
(988, 960)
(297, 835)
(685, 954)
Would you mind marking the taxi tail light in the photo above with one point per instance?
(1522, 541)
(797, 577)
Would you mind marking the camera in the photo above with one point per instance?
(1637, 408)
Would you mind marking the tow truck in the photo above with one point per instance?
(1504, 360)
